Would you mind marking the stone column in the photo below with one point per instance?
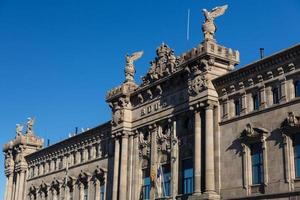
(116, 169)
(174, 162)
(97, 189)
(16, 190)
(262, 93)
(197, 153)
(283, 90)
(21, 184)
(135, 169)
(209, 151)
(244, 103)
(129, 169)
(9, 186)
(123, 167)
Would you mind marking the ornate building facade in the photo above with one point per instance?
(195, 128)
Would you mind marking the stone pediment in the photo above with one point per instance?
(253, 134)
(291, 123)
(164, 64)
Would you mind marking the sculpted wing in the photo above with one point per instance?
(218, 11)
(136, 55)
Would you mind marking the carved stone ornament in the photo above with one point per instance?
(251, 134)
(19, 129)
(30, 124)
(209, 28)
(164, 138)
(129, 68)
(9, 162)
(291, 124)
(163, 65)
(197, 84)
(144, 145)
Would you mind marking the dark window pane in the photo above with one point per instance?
(297, 155)
(255, 101)
(237, 105)
(276, 95)
(146, 184)
(297, 88)
(257, 163)
(187, 176)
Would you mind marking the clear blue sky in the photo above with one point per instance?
(59, 57)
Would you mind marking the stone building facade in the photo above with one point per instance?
(195, 128)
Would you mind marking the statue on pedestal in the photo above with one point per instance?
(129, 68)
(209, 28)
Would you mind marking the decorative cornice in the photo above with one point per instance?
(260, 66)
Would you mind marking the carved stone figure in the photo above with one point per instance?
(209, 28)
(164, 64)
(30, 124)
(9, 162)
(19, 129)
(130, 69)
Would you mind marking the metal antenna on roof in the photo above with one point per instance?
(262, 52)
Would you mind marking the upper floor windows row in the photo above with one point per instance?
(260, 98)
(76, 157)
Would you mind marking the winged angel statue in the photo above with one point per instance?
(209, 28)
(130, 69)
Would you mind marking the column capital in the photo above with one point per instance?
(197, 106)
(209, 106)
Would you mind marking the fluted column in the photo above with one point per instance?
(116, 169)
(209, 151)
(123, 167)
(197, 152)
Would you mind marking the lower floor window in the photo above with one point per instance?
(146, 184)
(187, 176)
(166, 181)
(102, 190)
(296, 142)
(257, 163)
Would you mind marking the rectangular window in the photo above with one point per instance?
(166, 182)
(85, 194)
(297, 89)
(146, 184)
(276, 95)
(187, 176)
(102, 190)
(82, 156)
(256, 101)
(237, 106)
(257, 163)
(297, 155)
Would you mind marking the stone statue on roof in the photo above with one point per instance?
(209, 28)
(129, 68)
(30, 124)
(19, 129)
